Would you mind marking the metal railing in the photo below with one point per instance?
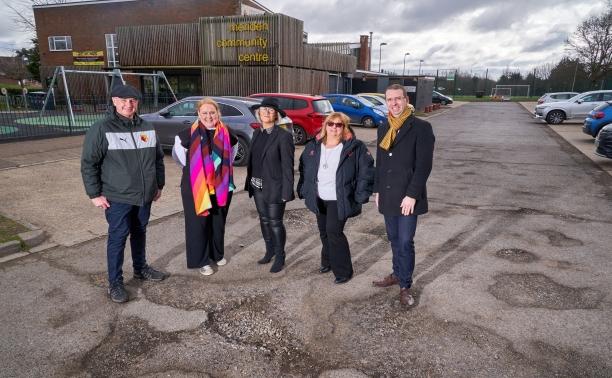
(21, 117)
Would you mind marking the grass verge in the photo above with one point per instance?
(9, 229)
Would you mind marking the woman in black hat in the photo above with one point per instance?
(270, 178)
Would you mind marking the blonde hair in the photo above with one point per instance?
(208, 101)
(347, 133)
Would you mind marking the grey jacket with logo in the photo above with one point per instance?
(122, 160)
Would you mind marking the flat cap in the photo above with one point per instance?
(125, 91)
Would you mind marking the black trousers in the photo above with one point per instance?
(272, 227)
(204, 236)
(335, 251)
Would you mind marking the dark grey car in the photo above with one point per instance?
(235, 113)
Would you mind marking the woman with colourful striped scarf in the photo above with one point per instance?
(206, 185)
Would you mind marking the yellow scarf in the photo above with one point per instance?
(395, 123)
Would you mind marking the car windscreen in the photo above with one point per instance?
(374, 100)
(366, 102)
(322, 106)
(602, 106)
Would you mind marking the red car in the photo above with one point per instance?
(307, 112)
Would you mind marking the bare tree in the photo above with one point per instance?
(592, 42)
(22, 14)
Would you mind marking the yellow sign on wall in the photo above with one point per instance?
(88, 58)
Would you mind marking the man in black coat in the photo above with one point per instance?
(403, 163)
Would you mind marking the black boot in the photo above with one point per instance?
(279, 263)
(267, 258)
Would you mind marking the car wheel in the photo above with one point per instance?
(242, 153)
(555, 117)
(299, 135)
(443, 102)
(368, 122)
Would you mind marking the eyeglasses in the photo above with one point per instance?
(335, 124)
(266, 110)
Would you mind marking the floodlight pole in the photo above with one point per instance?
(404, 70)
(380, 54)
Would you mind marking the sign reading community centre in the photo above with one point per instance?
(257, 44)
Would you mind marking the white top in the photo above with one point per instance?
(326, 177)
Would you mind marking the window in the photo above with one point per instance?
(183, 109)
(61, 43)
(607, 96)
(229, 111)
(112, 50)
(299, 104)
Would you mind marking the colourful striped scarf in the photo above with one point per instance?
(210, 171)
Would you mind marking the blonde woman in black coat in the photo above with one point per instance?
(336, 178)
(270, 178)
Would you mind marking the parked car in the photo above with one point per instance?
(360, 111)
(439, 98)
(576, 107)
(307, 112)
(380, 97)
(603, 142)
(556, 96)
(235, 113)
(597, 119)
(378, 100)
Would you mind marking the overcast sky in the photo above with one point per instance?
(471, 35)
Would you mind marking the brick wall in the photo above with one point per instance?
(88, 23)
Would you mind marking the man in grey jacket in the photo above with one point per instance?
(123, 172)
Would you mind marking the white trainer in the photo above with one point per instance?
(206, 270)
(222, 262)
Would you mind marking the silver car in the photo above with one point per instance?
(556, 96)
(576, 107)
(180, 115)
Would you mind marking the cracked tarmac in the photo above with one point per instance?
(512, 280)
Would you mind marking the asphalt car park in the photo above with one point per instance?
(512, 273)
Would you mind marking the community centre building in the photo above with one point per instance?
(210, 47)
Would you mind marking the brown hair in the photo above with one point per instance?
(394, 87)
(209, 101)
(347, 132)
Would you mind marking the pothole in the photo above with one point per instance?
(516, 255)
(537, 290)
(558, 239)
(129, 343)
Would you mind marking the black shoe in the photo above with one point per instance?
(264, 260)
(117, 292)
(324, 269)
(149, 274)
(278, 265)
(341, 280)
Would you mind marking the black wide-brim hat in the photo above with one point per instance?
(270, 102)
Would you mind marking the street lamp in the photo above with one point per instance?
(404, 70)
(420, 62)
(380, 54)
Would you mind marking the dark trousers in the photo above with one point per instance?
(124, 220)
(272, 227)
(400, 231)
(204, 236)
(335, 251)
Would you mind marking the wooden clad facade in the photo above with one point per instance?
(238, 55)
(174, 45)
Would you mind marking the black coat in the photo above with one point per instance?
(277, 166)
(354, 177)
(403, 170)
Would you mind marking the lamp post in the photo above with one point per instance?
(404, 70)
(575, 71)
(380, 54)
(420, 62)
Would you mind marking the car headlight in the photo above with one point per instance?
(380, 113)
